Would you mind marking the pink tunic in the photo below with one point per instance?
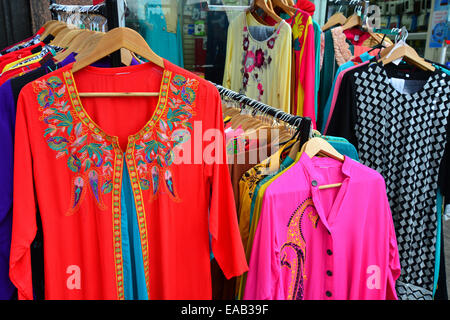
(336, 243)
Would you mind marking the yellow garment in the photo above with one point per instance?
(256, 214)
(18, 63)
(263, 71)
(248, 183)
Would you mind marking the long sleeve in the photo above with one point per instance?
(223, 226)
(24, 208)
(394, 261)
(264, 266)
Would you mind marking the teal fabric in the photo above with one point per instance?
(325, 111)
(344, 147)
(437, 260)
(167, 45)
(317, 41)
(442, 69)
(135, 287)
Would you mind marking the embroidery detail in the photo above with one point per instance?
(117, 226)
(155, 150)
(88, 156)
(293, 252)
(256, 60)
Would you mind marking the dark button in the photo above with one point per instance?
(329, 273)
(314, 183)
(328, 293)
(329, 252)
(329, 232)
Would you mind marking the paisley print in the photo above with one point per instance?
(293, 252)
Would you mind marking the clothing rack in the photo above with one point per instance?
(362, 3)
(304, 124)
(94, 9)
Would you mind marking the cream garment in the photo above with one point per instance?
(258, 62)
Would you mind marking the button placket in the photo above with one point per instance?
(328, 271)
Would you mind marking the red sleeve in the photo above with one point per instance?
(223, 226)
(24, 207)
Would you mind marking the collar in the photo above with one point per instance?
(312, 177)
(310, 165)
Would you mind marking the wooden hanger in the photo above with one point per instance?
(111, 42)
(77, 45)
(57, 41)
(54, 30)
(283, 6)
(69, 37)
(336, 19)
(267, 8)
(353, 21)
(52, 24)
(317, 146)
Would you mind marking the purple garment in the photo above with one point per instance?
(7, 124)
(7, 121)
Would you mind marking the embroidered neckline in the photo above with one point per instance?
(274, 35)
(96, 129)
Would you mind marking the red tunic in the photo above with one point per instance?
(69, 159)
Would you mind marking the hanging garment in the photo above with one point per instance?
(162, 30)
(399, 130)
(306, 6)
(303, 63)
(258, 61)
(327, 111)
(337, 51)
(9, 94)
(216, 45)
(316, 244)
(256, 181)
(317, 46)
(117, 196)
(25, 43)
(238, 163)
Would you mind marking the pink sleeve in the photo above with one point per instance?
(394, 264)
(308, 75)
(264, 268)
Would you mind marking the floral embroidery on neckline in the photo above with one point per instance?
(89, 150)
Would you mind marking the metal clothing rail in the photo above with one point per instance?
(304, 124)
(94, 9)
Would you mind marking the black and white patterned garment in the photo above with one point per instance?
(403, 137)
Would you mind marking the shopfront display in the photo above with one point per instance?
(227, 150)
